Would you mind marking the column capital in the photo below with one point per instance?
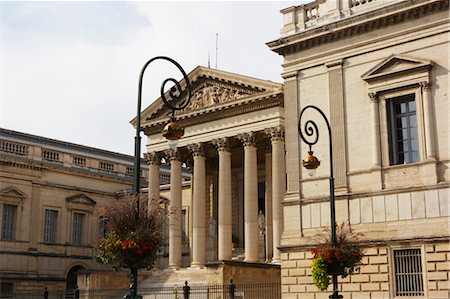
(197, 149)
(275, 133)
(222, 144)
(152, 158)
(172, 155)
(247, 139)
(373, 96)
(425, 85)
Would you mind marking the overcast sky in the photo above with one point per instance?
(69, 70)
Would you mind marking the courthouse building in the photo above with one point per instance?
(379, 71)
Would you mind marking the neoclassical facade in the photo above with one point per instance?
(379, 71)
(234, 144)
(51, 198)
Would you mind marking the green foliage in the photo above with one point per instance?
(134, 237)
(346, 255)
(319, 273)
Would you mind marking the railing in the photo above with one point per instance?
(14, 148)
(231, 291)
(50, 156)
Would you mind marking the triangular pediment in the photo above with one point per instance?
(396, 65)
(12, 192)
(81, 199)
(210, 88)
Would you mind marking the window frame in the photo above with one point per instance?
(54, 230)
(13, 223)
(393, 128)
(392, 95)
(78, 241)
(392, 278)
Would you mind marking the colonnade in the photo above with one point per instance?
(275, 190)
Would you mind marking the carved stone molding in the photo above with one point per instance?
(213, 93)
(275, 134)
(197, 149)
(373, 96)
(222, 144)
(357, 25)
(247, 139)
(425, 85)
(153, 158)
(172, 155)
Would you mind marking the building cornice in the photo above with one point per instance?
(247, 105)
(356, 25)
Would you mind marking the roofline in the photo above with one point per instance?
(40, 140)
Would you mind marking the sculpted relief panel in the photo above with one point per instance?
(209, 94)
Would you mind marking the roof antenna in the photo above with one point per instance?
(209, 59)
(217, 46)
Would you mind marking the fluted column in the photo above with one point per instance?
(199, 206)
(376, 147)
(250, 197)
(175, 209)
(268, 205)
(225, 201)
(428, 122)
(278, 188)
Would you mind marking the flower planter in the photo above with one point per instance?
(335, 269)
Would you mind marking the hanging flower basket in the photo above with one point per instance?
(133, 237)
(341, 259)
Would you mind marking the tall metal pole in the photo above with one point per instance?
(311, 130)
(175, 94)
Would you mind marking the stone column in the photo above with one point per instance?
(278, 188)
(154, 162)
(428, 120)
(251, 227)
(376, 147)
(199, 206)
(175, 209)
(225, 201)
(268, 204)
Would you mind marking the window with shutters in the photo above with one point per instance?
(78, 228)
(50, 226)
(9, 215)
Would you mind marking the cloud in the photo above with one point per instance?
(95, 22)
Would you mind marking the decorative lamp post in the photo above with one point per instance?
(172, 132)
(311, 163)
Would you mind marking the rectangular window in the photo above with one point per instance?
(9, 222)
(78, 227)
(408, 272)
(50, 225)
(403, 131)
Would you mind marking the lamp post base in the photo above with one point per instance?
(335, 296)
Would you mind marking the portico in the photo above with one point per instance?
(234, 147)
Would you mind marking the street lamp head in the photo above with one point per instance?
(311, 163)
(173, 132)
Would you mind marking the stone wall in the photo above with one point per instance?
(373, 279)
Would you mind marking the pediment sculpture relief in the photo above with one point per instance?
(209, 95)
